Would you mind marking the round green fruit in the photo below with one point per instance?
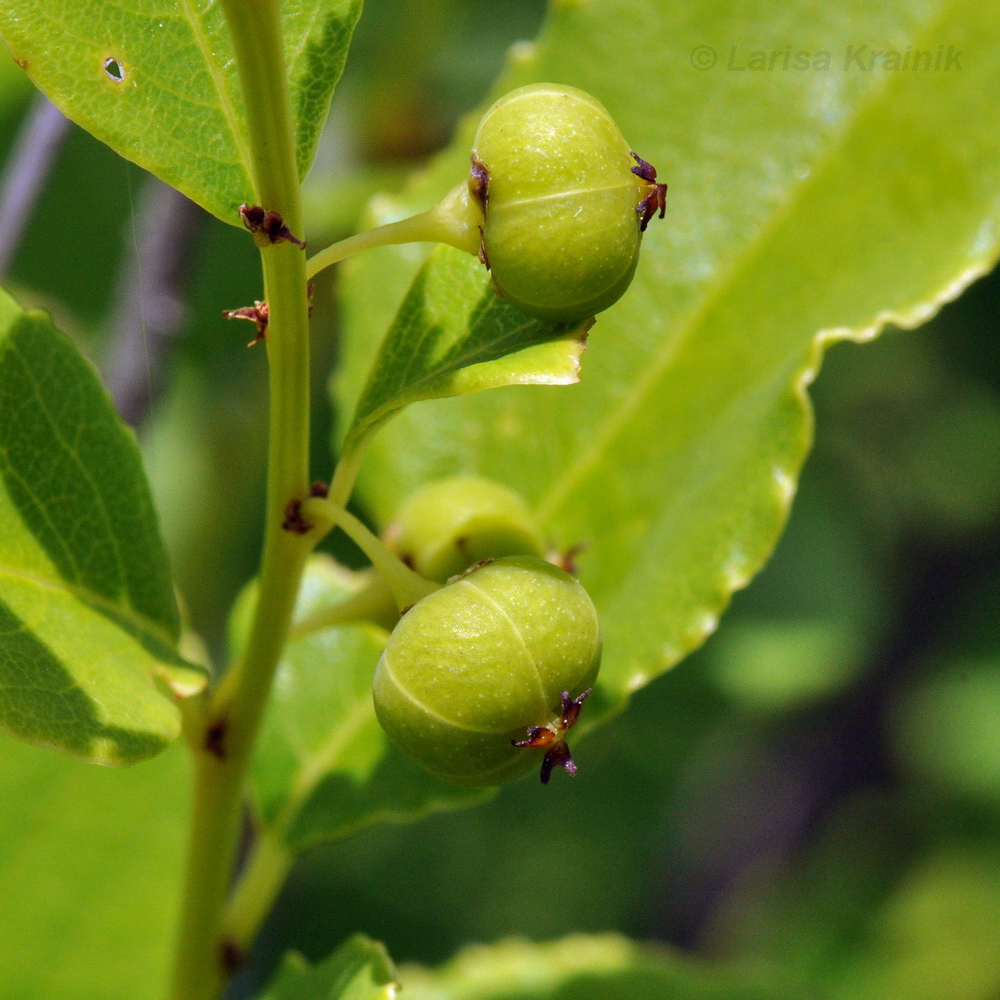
(483, 663)
(448, 525)
(563, 200)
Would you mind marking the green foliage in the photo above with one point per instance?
(91, 874)
(803, 208)
(797, 214)
(324, 768)
(937, 936)
(581, 968)
(949, 729)
(13, 85)
(452, 336)
(88, 621)
(801, 635)
(157, 81)
(360, 969)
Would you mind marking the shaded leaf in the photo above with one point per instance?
(584, 968)
(157, 81)
(360, 969)
(323, 767)
(453, 335)
(91, 874)
(88, 621)
(14, 86)
(804, 207)
(935, 935)
(948, 729)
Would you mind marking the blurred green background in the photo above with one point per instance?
(817, 788)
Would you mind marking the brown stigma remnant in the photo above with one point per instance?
(553, 737)
(656, 200)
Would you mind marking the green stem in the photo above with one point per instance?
(259, 885)
(372, 603)
(407, 587)
(234, 712)
(455, 221)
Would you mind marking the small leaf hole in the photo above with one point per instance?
(114, 69)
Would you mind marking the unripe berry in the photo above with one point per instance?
(563, 200)
(482, 663)
(555, 204)
(448, 525)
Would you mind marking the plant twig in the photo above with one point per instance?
(150, 310)
(34, 152)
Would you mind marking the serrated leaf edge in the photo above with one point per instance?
(786, 475)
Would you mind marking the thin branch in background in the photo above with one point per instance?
(27, 169)
(806, 767)
(150, 307)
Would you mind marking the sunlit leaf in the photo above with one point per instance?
(804, 206)
(453, 336)
(360, 969)
(582, 968)
(157, 81)
(91, 874)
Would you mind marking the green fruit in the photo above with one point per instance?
(447, 526)
(482, 663)
(563, 204)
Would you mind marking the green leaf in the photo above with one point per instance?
(948, 729)
(13, 86)
(323, 767)
(583, 968)
(157, 81)
(804, 207)
(91, 873)
(937, 935)
(453, 335)
(360, 969)
(88, 621)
